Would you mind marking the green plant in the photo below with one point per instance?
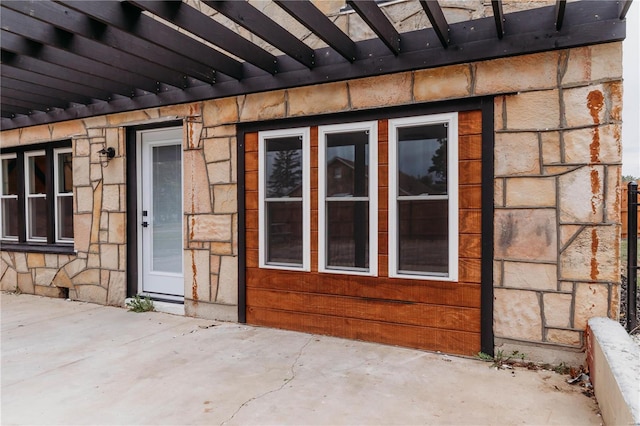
(138, 304)
(500, 358)
(562, 368)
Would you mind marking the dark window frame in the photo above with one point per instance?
(22, 244)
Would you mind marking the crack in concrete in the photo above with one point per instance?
(288, 380)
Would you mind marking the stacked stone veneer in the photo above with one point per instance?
(557, 172)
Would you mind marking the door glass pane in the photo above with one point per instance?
(37, 217)
(9, 176)
(422, 160)
(65, 217)
(10, 217)
(284, 232)
(347, 164)
(37, 174)
(65, 173)
(284, 167)
(167, 209)
(348, 234)
(423, 240)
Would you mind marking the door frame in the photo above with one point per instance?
(134, 271)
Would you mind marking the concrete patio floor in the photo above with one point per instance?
(78, 363)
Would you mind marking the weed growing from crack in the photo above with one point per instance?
(137, 304)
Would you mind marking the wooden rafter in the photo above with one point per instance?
(370, 12)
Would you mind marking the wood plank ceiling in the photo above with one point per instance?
(73, 59)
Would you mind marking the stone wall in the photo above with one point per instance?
(557, 173)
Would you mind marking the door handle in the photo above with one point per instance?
(145, 224)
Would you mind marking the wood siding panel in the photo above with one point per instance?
(426, 314)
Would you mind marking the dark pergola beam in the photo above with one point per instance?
(188, 18)
(438, 21)
(308, 15)
(370, 12)
(498, 17)
(130, 19)
(560, 8)
(52, 92)
(41, 101)
(10, 111)
(247, 16)
(624, 8)
(21, 103)
(162, 61)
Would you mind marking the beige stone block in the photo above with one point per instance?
(35, 260)
(567, 232)
(234, 234)
(113, 172)
(498, 192)
(104, 236)
(33, 134)
(20, 262)
(550, 148)
(584, 106)
(612, 194)
(129, 117)
(216, 149)
(516, 315)
(75, 266)
(51, 260)
(81, 147)
(93, 260)
(228, 281)
(533, 110)
(10, 138)
(387, 90)
(95, 173)
(91, 293)
(221, 248)
(581, 195)
(525, 234)
(84, 199)
(92, 122)
(67, 129)
(234, 161)
(87, 277)
(497, 273)
(564, 337)
(62, 280)
(111, 198)
(25, 283)
(599, 144)
(591, 301)
(9, 280)
(81, 171)
(196, 274)
(517, 73)
(7, 257)
(221, 131)
(614, 93)
(325, 98)
(442, 83)
(104, 278)
(210, 227)
(122, 257)
(592, 255)
(44, 276)
(117, 229)
(192, 137)
(49, 291)
(527, 162)
(219, 172)
(197, 197)
(215, 265)
(531, 192)
(557, 309)
(182, 110)
(109, 256)
(498, 119)
(96, 133)
(558, 170)
(220, 111)
(566, 286)
(578, 66)
(116, 292)
(606, 61)
(263, 106)
(535, 276)
(225, 198)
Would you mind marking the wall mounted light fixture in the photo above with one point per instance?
(107, 152)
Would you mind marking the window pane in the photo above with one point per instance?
(37, 174)
(65, 173)
(422, 160)
(284, 232)
(9, 176)
(347, 164)
(65, 217)
(423, 236)
(37, 217)
(284, 167)
(10, 217)
(348, 234)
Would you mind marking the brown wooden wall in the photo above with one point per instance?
(432, 315)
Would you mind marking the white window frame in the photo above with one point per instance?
(451, 119)
(305, 134)
(28, 196)
(57, 195)
(6, 197)
(323, 131)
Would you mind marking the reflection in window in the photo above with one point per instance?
(64, 196)
(36, 195)
(9, 197)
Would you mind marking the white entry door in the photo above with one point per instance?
(160, 213)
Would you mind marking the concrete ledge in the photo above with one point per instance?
(614, 365)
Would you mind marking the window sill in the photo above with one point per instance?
(37, 248)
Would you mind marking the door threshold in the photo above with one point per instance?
(174, 308)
